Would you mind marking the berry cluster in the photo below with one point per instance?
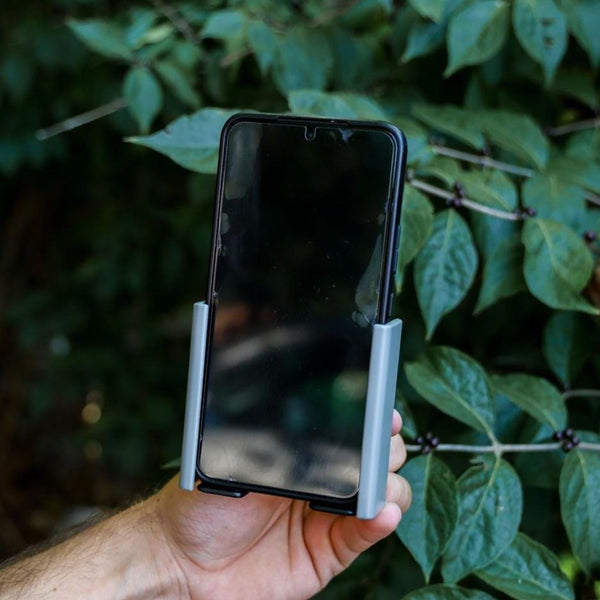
(428, 442)
(589, 236)
(568, 438)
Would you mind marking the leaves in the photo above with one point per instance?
(304, 61)
(263, 43)
(445, 268)
(447, 592)
(451, 120)
(426, 528)
(489, 511)
(431, 9)
(555, 199)
(541, 28)
(535, 396)
(557, 265)
(225, 25)
(416, 219)
(192, 142)
(580, 505)
(566, 344)
(516, 133)
(476, 33)
(527, 570)
(144, 96)
(102, 37)
(502, 274)
(583, 17)
(456, 384)
(490, 187)
(349, 106)
(422, 39)
(178, 81)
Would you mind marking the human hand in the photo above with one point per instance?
(268, 547)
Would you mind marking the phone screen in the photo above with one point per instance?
(296, 288)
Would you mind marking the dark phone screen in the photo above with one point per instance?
(297, 281)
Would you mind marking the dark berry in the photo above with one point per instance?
(420, 440)
(568, 446)
(530, 211)
(569, 433)
(435, 442)
(459, 190)
(575, 440)
(426, 449)
(559, 435)
(589, 236)
(450, 201)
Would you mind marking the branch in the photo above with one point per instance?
(503, 448)
(581, 394)
(177, 20)
(475, 206)
(572, 127)
(82, 119)
(482, 161)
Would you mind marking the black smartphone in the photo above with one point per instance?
(303, 257)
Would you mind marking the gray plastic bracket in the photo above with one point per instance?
(381, 395)
(381, 392)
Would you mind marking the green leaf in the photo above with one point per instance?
(557, 265)
(584, 145)
(580, 505)
(178, 81)
(583, 17)
(452, 120)
(490, 501)
(102, 37)
(555, 199)
(527, 570)
(351, 106)
(582, 172)
(263, 44)
(144, 96)
(142, 20)
(536, 396)
(577, 84)
(192, 142)
(416, 138)
(502, 274)
(566, 344)
(426, 528)
(304, 61)
(445, 268)
(490, 187)
(225, 25)
(541, 28)
(430, 9)
(442, 168)
(423, 39)
(456, 384)
(489, 232)
(446, 592)
(516, 133)
(416, 219)
(476, 32)
(409, 427)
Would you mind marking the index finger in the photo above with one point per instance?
(396, 423)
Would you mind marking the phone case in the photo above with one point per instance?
(383, 366)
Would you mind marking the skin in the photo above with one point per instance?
(194, 546)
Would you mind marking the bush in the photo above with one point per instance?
(497, 283)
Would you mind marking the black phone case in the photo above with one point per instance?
(237, 489)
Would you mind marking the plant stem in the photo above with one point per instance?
(475, 206)
(483, 161)
(177, 20)
(82, 119)
(572, 127)
(504, 448)
(581, 394)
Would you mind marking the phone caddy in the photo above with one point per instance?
(381, 391)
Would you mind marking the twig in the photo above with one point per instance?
(581, 394)
(326, 17)
(572, 127)
(82, 119)
(475, 206)
(177, 20)
(233, 57)
(591, 197)
(483, 161)
(504, 448)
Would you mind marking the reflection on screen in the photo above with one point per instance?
(296, 294)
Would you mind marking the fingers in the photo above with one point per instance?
(398, 491)
(397, 453)
(396, 423)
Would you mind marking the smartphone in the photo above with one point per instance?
(304, 250)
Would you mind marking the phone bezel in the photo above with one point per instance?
(344, 505)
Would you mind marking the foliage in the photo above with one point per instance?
(498, 280)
